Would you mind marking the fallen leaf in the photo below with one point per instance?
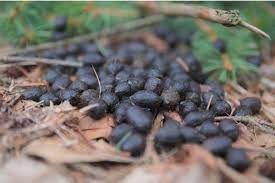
(53, 150)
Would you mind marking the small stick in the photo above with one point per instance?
(209, 103)
(98, 81)
(14, 60)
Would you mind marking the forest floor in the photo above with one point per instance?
(48, 144)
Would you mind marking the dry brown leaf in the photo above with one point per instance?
(53, 150)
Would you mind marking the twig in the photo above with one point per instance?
(14, 60)
(264, 126)
(133, 25)
(226, 18)
(98, 81)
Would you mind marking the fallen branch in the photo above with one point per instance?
(133, 25)
(226, 18)
(262, 125)
(12, 61)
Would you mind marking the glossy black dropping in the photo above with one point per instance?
(89, 80)
(122, 89)
(220, 45)
(51, 75)
(61, 83)
(192, 63)
(33, 93)
(146, 98)
(78, 86)
(140, 118)
(120, 112)
(119, 132)
(209, 97)
(194, 97)
(167, 83)
(237, 159)
(190, 135)
(218, 145)
(209, 129)
(135, 144)
(186, 107)
(154, 73)
(123, 75)
(196, 118)
(60, 23)
(154, 84)
(87, 96)
(216, 88)
(110, 99)
(230, 129)
(47, 97)
(194, 87)
(113, 67)
(98, 111)
(221, 108)
(84, 71)
(93, 59)
(181, 87)
(136, 84)
(69, 95)
(253, 103)
(242, 111)
(170, 99)
(168, 135)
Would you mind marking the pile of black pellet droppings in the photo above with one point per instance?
(136, 83)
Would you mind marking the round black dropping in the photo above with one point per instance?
(192, 63)
(182, 77)
(186, 107)
(51, 75)
(140, 118)
(237, 159)
(61, 83)
(108, 80)
(167, 83)
(69, 95)
(221, 108)
(135, 144)
(170, 99)
(253, 103)
(138, 72)
(123, 75)
(220, 45)
(89, 80)
(242, 111)
(190, 135)
(194, 87)
(181, 87)
(136, 84)
(120, 112)
(113, 67)
(154, 85)
(119, 132)
(255, 60)
(196, 118)
(146, 98)
(218, 145)
(209, 97)
(87, 96)
(110, 99)
(78, 86)
(47, 97)
(209, 129)
(122, 88)
(59, 23)
(93, 59)
(154, 73)
(84, 71)
(230, 129)
(168, 135)
(99, 110)
(33, 93)
(194, 97)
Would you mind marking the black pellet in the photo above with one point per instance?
(33, 93)
(242, 111)
(89, 80)
(73, 48)
(47, 97)
(78, 86)
(194, 97)
(110, 99)
(135, 144)
(84, 71)
(140, 118)
(87, 96)
(196, 118)
(146, 98)
(119, 131)
(170, 99)
(98, 111)
(230, 129)
(221, 108)
(186, 107)
(209, 129)
(154, 84)
(51, 75)
(253, 103)
(136, 84)
(209, 97)
(237, 159)
(122, 89)
(123, 75)
(220, 45)
(190, 135)
(60, 23)
(69, 95)
(113, 67)
(93, 59)
(61, 83)
(218, 145)
(120, 112)
(168, 135)
(181, 87)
